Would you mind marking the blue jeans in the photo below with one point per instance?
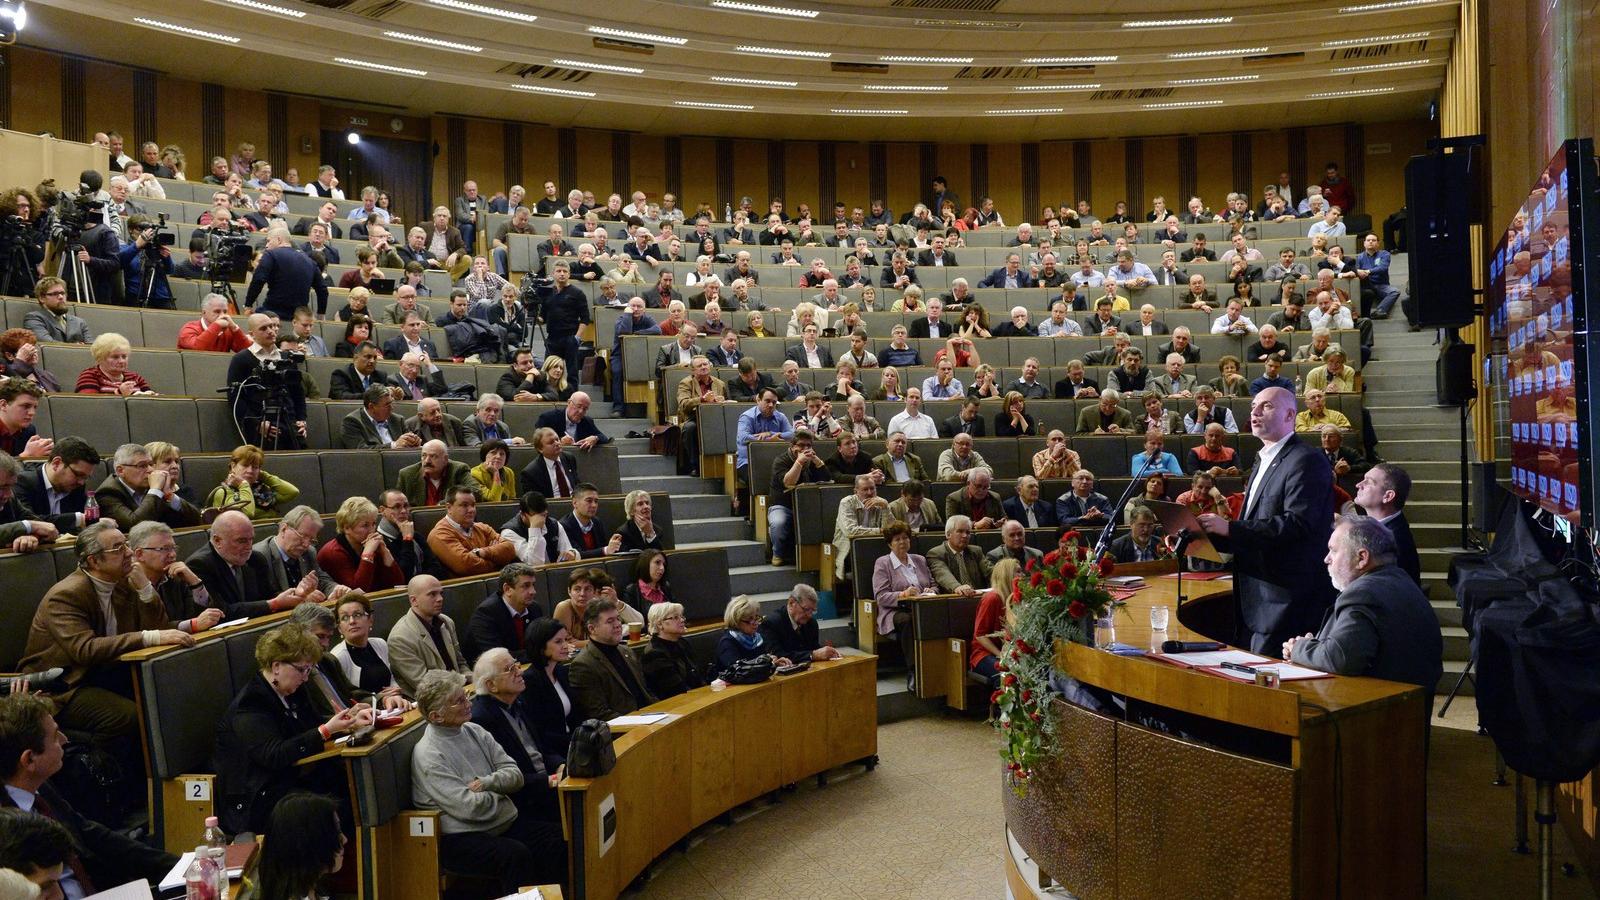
(502, 262)
(1388, 296)
(780, 528)
(469, 231)
(616, 381)
(565, 347)
(989, 667)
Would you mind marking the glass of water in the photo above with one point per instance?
(1158, 618)
(1105, 631)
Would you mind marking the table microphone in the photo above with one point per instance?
(1191, 646)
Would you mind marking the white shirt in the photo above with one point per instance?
(532, 550)
(1269, 452)
(1224, 324)
(915, 427)
(550, 467)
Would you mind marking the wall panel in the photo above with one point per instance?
(851, 178)
(178, 122)
(699, 175)
(954, 162)
(1005, 181)
(1107, 170)
(486, 158)
(539, 161)
(800, 177)
(594, 165)
(905, 187)
(1161, 171)
(108, 106)
(1055, 177)
(1270, 155)
(649, 166)
(750, 175)
(35, 98)
(1214, 176)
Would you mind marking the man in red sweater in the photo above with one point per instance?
(214, 330)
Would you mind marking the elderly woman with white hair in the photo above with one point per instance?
(640, 531)
(460, 770)
(110, 373)
(742, 640)
(668, 668)
(498, 708)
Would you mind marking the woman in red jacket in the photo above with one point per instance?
(357, 557)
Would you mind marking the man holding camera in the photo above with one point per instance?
(93, 251)
(147, 251)
(259, 377)
(289, 276)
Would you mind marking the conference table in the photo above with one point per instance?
(719, 749)
(1196, 785)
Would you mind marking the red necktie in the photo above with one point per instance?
(520, 624)
(563, 489)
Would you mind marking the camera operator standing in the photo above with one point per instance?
(147, 250)
(265, 390)
(289, 277)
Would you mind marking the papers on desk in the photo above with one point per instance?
(1128, 582)
(1202, 576)
(1210, 662)
(232, 622)
(133, 890)
(174, 878)
(635, 721)
(1286, 672)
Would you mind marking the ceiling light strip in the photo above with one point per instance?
(379, 67)
(870, 112)
(432, 42)
(1067, 60)
(1213, 54)
(638, 35)
(780, 51)
(1177, 23)
(192, 32)
(598, 67)
(1336, 95)
(907, 88)
(1380, 67)
(931, 60)
(765, 10)
(1216, 79)
(1379, 39)
(1184, 104)
(754, 82)
(1043, 111)
(1057, 87)
(701, 104)
(541, 89)
(1391, 4)
(269, 8)
(480, 9)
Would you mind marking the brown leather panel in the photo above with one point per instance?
(1066, 820)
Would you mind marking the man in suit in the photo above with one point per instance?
(374, 426)
(1168, 272)
(155, 490)
(1345, 462)
(1380, 625)
(399, 534)
(1102, 321)
(411, 340)
(21, 530)
(432, 423)
(327, 216)
(680, 351)
(90, 855)
(1083, 506)
(77, 631)
(967, 421)
(428, 481)
(1147, 323)
(936, 254)
(1381, 494)
(291, 556)
(553, 473)
(791, 630)
(350, 382)
(1277, 542)
(488, 424)
(861, 514)
(727, 353)
(502, 618)
(522, 382)
(57, 490)
(288, 275)
(801, 353)
(607, 680)
(930, 325)
(1013, 545)
(1182, 343)
(1106, 417)
(958, 567)
(237, 578)
(425, 638)
(1026, 507)
(976, 501)
(53, 322)
(897, 463)
(1010, 275)
(573, 425)
(584, 527)
(416, 383)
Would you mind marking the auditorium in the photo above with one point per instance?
(971, 449)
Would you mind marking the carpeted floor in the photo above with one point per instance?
(927, 824)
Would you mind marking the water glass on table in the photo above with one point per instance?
(1158, 618)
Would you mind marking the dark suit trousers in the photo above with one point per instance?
(529, 852)
(902, 631)
(101, 708)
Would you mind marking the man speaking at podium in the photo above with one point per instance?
(1280, 583)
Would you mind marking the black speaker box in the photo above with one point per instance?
(1453, 375)
(1441, 195)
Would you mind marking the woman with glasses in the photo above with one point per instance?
(548, 698)
(269, 727)
(742, 640)
(668, 668)
(364, 658)
(498, 708)
(249, 488)
(357, 557)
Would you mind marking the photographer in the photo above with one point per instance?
(20, 217)
(195, 265)
(147, 250)
(265, 390)
(289, 276)
(89, 246)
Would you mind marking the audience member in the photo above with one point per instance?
(989, 626)
(1083, 506)
(958, 567)
(1154, 458)
(1382, 494)
(1214, 455)
(668, 668)
(573, 424)
(53, 322)
(1140, 544)
(975, 501)
(502, 619)
(250, 489)
(306, 846)
(291, 557)
(548, 698)
(899, 575)
(357, 556)
(463, 545)
(498, 708)
(607, 680)
(1026, 507)
(585, 530)
(639, 532)
(424, 639)
(1013, 545)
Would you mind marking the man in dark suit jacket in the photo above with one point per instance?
(396, 347)
(236, 576)
(536, 474)
(607, 680)
(289, 277)
(929, 258)
(791, 630)
(157, 497)
(1380, 625)
(71, 464)
(413, 384)
(502, 618)
(1102, 319)
(1076, 508)
(1280, 538)
(1382, 494)
(797, 352)
(585, 529)
(574, 422)
(350, 382)
(930, 325)
(1011, 270)
(968, 420)
(98, 857)
(1017, 507)
(291, 545)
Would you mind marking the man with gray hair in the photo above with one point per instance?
(1013, 545)
(958, 567)
(182, 593)
(1381, 625)
(288, 276)
(861, 514)
(292, 557)
(486, 423)
(791, 630)
(432, 423)
(214, 330)
(20, 531)
(139, 492)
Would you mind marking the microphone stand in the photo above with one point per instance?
(1116, 512)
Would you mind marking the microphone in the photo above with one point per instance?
(1191, 646)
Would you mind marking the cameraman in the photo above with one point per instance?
(289, 276)
(251, 386)
(195, 266)
(145, 250)
(91, 245)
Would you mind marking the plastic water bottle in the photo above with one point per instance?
(91, 510)
(1299, 386)
(217, 845)
(200, 879)
(727, 212)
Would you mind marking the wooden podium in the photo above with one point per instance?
(1328, 799)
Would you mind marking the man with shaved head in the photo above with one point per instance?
(432, 423)
(237, 577)
(1282, 532)
(424, 640)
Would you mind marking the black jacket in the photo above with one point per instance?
(783, 639)
(110, 857)
(224, 591)
(289, 277)
(556, 420)
(535, 476)
(259, 740)
(493, 716)
(668, 668)
(550, 726)
(491, 626)
(104, 266)
(949, 427)
(31, 491)
(600, 534)
(346, 382)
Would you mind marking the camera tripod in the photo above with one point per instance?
(82, 287)
(16, 275)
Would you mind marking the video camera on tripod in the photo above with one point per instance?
(273, 396)
(16, 273)
(228, 254)
(74, 215)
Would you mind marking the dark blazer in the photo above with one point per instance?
(358, 433)
(1064, 389)
(719, 357)
(797, 353)
(633, 539)
(888, 277)
(67, 329)
(346, 383)
(1278, 544)
(1092, 325)
(495, 717)
(490, 626)
(1042, 510)
(925, 258)
(783, 639)
(396, 347)
(1156, 327)
(976, 427)
(116, 503)
(31, 491)
(1191, 354)
(290, 278)
(921, 328)
(279, 576)
(1405, 547)
(997, 279)
(330, 253)
(556, 420)
(303, 227)
(110, 857)
(550, 725)
(432, 385)
(1380, 626)
(1070, 509)
(602, 535)
(535, 476)
(598, 690)
(669, 670)
(224, 591)
(1176, 276)
(259, 740)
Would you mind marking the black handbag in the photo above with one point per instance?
(750, 671)
(590, 753)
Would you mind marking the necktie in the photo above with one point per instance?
(519, 624)
(326, 686)
(416, 391)
(79, 873)
(291, 570)
(238, 581)
(562, 488)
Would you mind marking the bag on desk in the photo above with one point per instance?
(750, 671)
(590, 754)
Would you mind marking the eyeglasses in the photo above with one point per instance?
(303, 668)
(354, 616)
(677, 618)
(170, 548)
(119, 547)
(56, 293)
(750, 620)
